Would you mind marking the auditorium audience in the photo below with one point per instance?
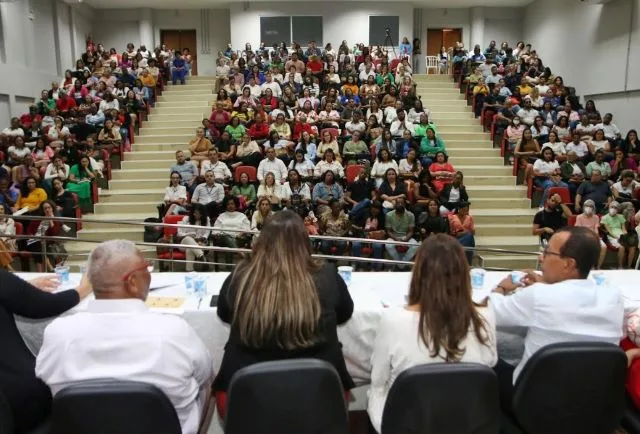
(118, 338)
(440, 324)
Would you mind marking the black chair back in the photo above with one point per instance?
(439, 398)
(574, 387)
(286, 397)
(113, 407)
(6, 416)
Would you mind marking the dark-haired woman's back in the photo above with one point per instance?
(336, 307)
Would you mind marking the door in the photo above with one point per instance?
(179, 40)
(436, 38)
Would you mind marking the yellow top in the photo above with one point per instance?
(33, 200)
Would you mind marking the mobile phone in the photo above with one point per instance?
(214, 301)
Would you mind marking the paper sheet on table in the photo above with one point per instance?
(166, 304)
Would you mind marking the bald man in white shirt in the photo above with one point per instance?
(560, 305)
(119, 338)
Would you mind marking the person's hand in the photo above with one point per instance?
(47, 283)
(84, 288)
(548, 230)
(506, 286)
(531, 277)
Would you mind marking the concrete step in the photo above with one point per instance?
(442, 91)
(499, 202)
(509, 262)
(200, 85)
(439, 113)
(140, 184)
(175, 97)
(150, 125)
(187, 91)
(159, 147)
(522, 243)
(173, 117)
(471, 161)
(446, 106)
(100, 220)
(189, 109)
(458, 128)
(496, 191)
(148, 164)
(484, 170)
(131, 195)
(161, 131)
(419, 78)
(182, 104)
(514, 215)
(154, 173)
(132, 233)
(487, 230)
(457, 142)
(464, 119)
(149, 155)
(427, 96)
(168, 138)
(128, 207)
(459, 152)
(473, 180)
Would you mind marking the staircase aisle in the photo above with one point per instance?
(500, 208)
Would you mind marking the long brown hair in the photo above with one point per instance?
(441, 286)
(276, 298)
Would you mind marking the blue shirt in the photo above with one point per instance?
(187, 171)
(326, 192)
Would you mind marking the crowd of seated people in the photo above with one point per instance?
(558, 144)
(62, 148)
(328, 137)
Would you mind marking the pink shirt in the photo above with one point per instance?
(592, 222)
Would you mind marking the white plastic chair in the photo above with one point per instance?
(432, 63)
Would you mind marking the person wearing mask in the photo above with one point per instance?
(589, 219)
(626, 243)
(400, 226)
(28, 397)
(118, 337)
(549, 219)
(596, 190)
(312, 301)
(560, 305)
(440, 324)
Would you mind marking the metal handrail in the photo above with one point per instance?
(312, 237)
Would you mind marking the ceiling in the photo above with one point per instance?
(198, 4)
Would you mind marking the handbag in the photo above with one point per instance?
(57, 252)
(377, 235)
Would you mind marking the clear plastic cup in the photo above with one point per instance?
(62, 271)
(345, 272)
(516, 277)
(477, 278)
(200, 286)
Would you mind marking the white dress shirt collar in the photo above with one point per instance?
(120, 305)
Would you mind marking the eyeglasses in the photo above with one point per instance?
(545, 252)
(149, 265)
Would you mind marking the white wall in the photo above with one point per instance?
(503, 25)
(341, 20)
(596, 48)
(117, 27)
(37, 39)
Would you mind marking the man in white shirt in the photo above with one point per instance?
(272, 164)
(270, 84)
(220, 170)
(542, 86)
(528, 113)
(368, 71)
(254, 88)
(119, 338)
(560, 305)
(14, 130)
(493, 78)
(209, 194)
(611, 130)
(399, 126)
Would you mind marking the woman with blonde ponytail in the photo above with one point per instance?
(282, 304)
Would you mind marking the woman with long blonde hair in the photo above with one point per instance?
(282, 309)
(440, 324)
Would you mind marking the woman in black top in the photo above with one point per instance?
(28, 397)
(433, 222)
(391, 189)
(284, 312)
(63, 199)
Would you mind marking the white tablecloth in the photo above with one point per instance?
(371, 292)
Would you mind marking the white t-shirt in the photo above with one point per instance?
(580, 149)
(175, 193)
(546, 167)
(629, 189)
(557, 147)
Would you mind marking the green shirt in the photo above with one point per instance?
(431, 147)
(354, 148)
(421, 130)
(615, 223)
(399, 224)
(237, 132)
(604, 168)
(380, 78)
(248, 191)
